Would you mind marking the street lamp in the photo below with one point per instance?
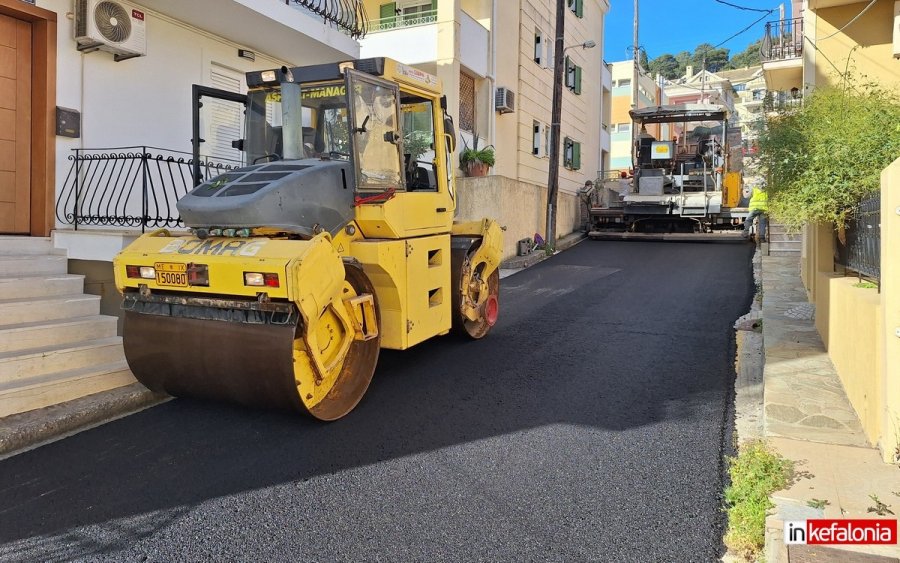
(556, 117)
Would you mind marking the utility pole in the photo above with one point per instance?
(555, 118)
(636, 76)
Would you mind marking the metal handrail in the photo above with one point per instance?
(862, 251)
(130, 186)
(399, 21)
(348, 15)
(783, 40)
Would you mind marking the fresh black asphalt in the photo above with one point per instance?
(589, 425)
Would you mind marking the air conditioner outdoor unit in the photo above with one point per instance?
(505, 100)
(116, 27)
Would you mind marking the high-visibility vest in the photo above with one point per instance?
(759, 200)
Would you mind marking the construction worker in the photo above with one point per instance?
(759, 205)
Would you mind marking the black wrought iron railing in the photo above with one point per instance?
(783, 40)
(130, 187)
(347, 15)
(862, 251)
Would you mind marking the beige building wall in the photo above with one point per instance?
(859, 325)
(865, 47)
(889, 336)
(517, 22)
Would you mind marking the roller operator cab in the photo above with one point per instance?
(335, 239)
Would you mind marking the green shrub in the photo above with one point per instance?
(755, 473)
(821, 159)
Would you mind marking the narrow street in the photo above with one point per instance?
(589, 425)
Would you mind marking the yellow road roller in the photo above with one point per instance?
(336, 239)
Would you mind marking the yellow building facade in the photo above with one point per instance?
(824, 44)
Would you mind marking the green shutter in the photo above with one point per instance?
(388, 15)
(433, 5)
(576, 156)
(579, 8)
(577, 79)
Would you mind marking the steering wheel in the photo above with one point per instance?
(268, 155)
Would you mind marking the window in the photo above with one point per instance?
(543, 49)
(573, 76)
(374, 123)
(577, 7)
(466, 102)
(571, 154)
(622, 127)
(740, 87)
(540, 140)
(417, 117)
(622, 83)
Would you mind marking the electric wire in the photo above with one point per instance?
(859, 15)
(744, 7)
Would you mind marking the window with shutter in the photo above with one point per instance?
(577, 85)
(223, 120)
(539, 47)
(576, 156)
(536, 138)
(568, 147)
(466, 102)
(388, 15)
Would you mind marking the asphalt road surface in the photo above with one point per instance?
(589, 425)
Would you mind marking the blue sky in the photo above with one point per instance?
(672, 26)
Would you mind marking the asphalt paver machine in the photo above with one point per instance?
(683, 184)
(336, 239)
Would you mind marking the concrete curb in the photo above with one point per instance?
(24, 431)
(563, 243)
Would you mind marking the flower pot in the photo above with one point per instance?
(475, 168)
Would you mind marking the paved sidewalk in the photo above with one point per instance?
(808, 418)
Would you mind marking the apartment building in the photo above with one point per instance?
(650, 94)
(751, 99)
(826, 38)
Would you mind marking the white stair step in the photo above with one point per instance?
(26, 245)
(19, 311)
(17, 266)
(41, 286)
(54, 333)
(51, 389)
(19, 365)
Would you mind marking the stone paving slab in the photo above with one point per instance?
(808, 419)
(803, 396)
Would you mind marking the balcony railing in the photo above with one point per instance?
(129, 186)
(393, 22)
(783, 40)
(862, 253)
(347, 15)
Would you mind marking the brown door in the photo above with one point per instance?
(15, 125)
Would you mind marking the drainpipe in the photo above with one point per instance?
(492, 76)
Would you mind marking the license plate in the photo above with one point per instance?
(171, 274)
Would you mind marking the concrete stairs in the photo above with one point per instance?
(781, 243)
(54, 344)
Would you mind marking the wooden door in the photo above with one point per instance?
(15, 125)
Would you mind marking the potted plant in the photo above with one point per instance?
(475, 161)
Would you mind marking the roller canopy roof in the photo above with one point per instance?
(679, 113)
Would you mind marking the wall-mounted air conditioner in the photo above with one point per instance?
(505, 100)
(116, 27)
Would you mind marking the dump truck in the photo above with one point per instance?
(335, 238)
(685, 184)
